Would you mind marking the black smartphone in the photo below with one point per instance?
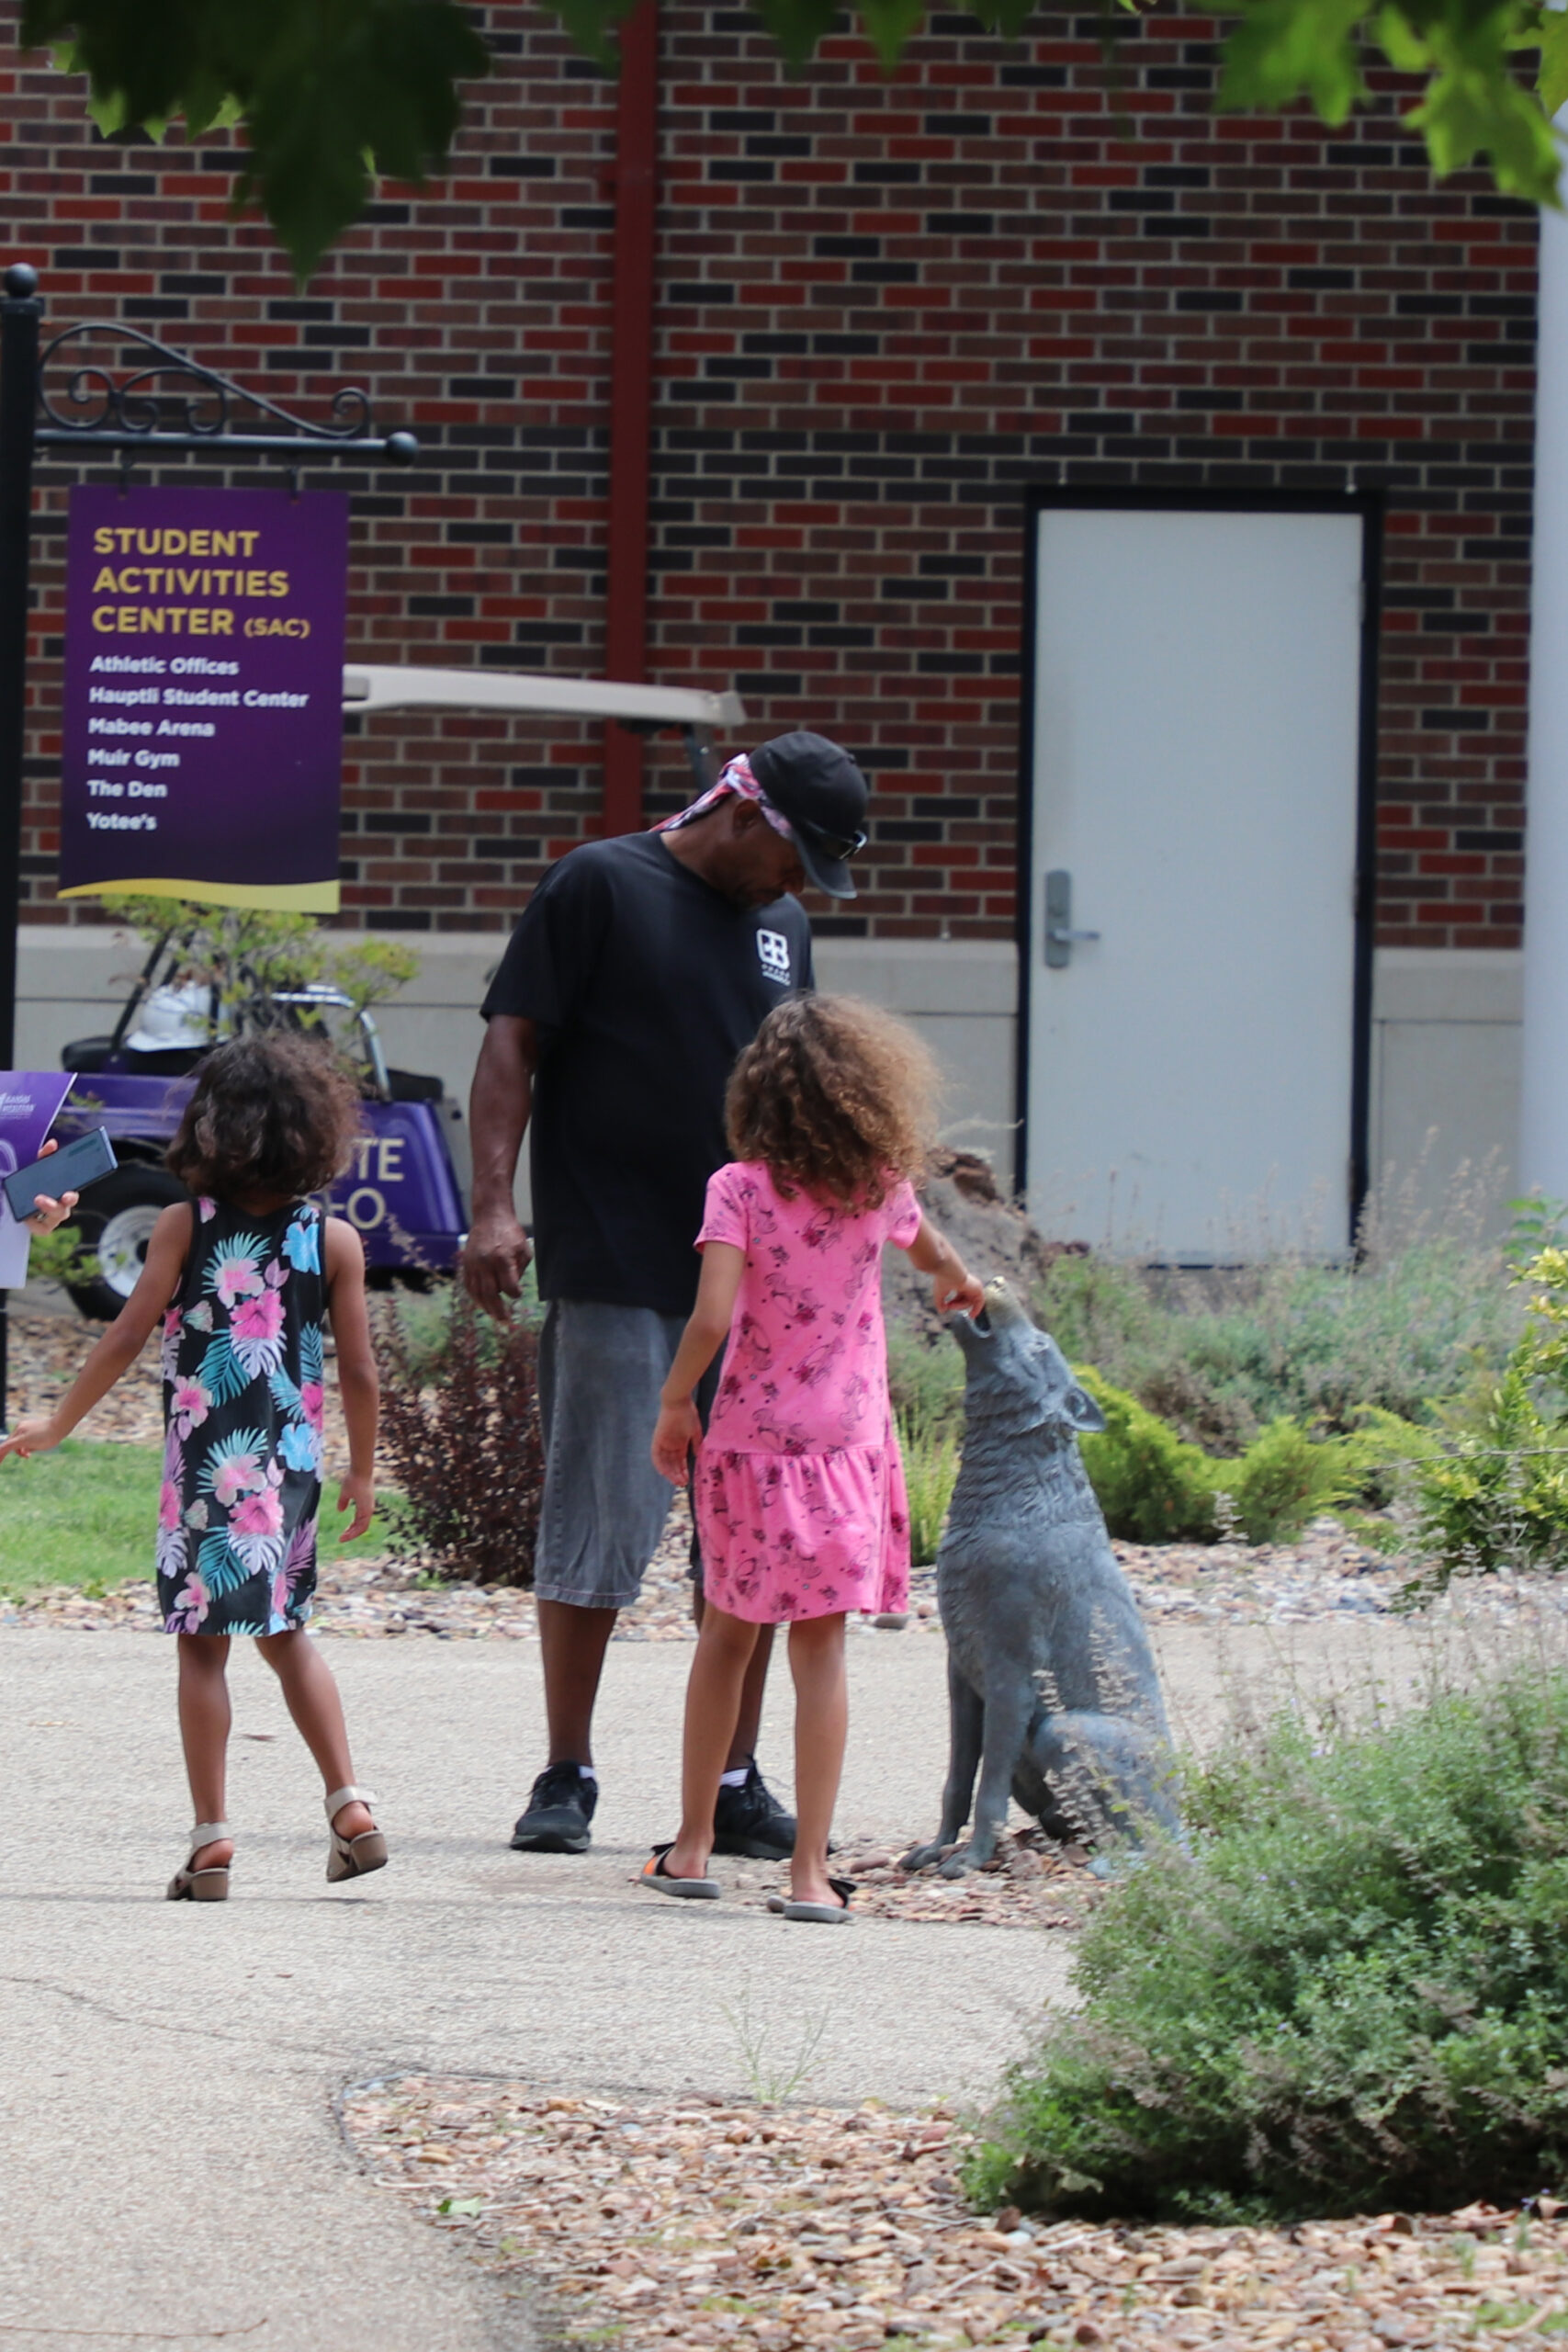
(70, 1169)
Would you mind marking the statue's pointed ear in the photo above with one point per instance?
(1079, 1407)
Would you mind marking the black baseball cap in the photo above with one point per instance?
(817, 787)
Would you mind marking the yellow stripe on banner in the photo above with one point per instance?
(290, 898)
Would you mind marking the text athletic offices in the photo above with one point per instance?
(1249, 372)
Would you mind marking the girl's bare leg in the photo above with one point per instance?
(821, 1726)
(725, 1644)
(204, 1717)
(310, 1695)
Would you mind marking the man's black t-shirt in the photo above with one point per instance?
(645, 983)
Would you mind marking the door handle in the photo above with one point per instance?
(1060, 936)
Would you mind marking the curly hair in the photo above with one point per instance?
(271, 1113)
(836, 1096)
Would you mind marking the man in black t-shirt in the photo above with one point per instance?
(639, 970)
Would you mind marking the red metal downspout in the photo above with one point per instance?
(631, 395)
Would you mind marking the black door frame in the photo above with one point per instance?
(1370, 504)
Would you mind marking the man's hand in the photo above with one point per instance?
(679, 1432)
(357, 1495)
(495, 1259)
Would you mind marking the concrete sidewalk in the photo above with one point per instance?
(170, 2164)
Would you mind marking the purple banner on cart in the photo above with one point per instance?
(203, 696)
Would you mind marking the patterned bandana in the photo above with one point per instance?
(734, 778)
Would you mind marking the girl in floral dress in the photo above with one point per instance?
(241, 1279)
(798, 1489)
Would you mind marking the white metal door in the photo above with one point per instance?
(1195, 773)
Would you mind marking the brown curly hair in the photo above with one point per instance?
(274, 1113)
(836, 1096)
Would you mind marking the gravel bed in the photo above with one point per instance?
(707, 2221)
(1325, 1575)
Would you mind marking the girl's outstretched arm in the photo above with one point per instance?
(120, 1344)
(358, 1381)
(953, 1285)
(679, 1426)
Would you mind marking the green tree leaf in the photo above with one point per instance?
(1468, 111)
(332, 94)
(1292, 49)
(335, 94)
(1552, 82)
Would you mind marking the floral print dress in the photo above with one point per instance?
(798, 1492)
(243, 1404)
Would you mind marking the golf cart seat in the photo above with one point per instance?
(87, 1054)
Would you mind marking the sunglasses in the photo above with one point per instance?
(835, 844)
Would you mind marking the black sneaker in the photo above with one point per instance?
(751, 1820)
(560, 1806)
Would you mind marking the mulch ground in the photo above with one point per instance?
(707, 2223)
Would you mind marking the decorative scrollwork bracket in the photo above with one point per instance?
(172, 403)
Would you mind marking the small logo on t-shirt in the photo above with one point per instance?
(772, 950)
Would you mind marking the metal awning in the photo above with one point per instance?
(369, 686)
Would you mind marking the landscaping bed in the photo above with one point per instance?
(708, 2222)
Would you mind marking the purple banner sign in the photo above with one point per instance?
(203, 696)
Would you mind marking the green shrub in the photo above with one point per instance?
(1352, 1993)
(930, 1472)
(1499, 1495)
(1153, 1487)
(1495, 1502)
(60, 1256)
(1284, 1478)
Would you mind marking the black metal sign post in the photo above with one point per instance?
(101, 412)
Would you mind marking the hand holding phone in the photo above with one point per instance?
(70, 1169)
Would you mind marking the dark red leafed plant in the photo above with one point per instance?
(460, 1435)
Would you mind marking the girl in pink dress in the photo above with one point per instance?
(798, 1489)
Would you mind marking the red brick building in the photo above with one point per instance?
(885, 307)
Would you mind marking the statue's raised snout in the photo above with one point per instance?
(999, 1313)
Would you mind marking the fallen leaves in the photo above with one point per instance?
(706, 2222)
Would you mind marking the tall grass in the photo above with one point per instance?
(931, 1453)
(1223, 1355)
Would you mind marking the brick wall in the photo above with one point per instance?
(884, 306)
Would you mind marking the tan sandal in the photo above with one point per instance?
(353, 1857)
(209, 1885)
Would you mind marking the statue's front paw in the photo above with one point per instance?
(958, 1865)
(920, 1857)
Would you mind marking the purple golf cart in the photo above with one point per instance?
(400, 1191)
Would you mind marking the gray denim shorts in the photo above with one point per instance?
(601, 1368)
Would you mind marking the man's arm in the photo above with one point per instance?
(497, 1251)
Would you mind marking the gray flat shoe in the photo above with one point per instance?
(687, 1890)
(825, 1915)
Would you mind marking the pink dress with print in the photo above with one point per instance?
(799, 1490)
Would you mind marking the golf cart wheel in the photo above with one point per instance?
(114, 1225)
